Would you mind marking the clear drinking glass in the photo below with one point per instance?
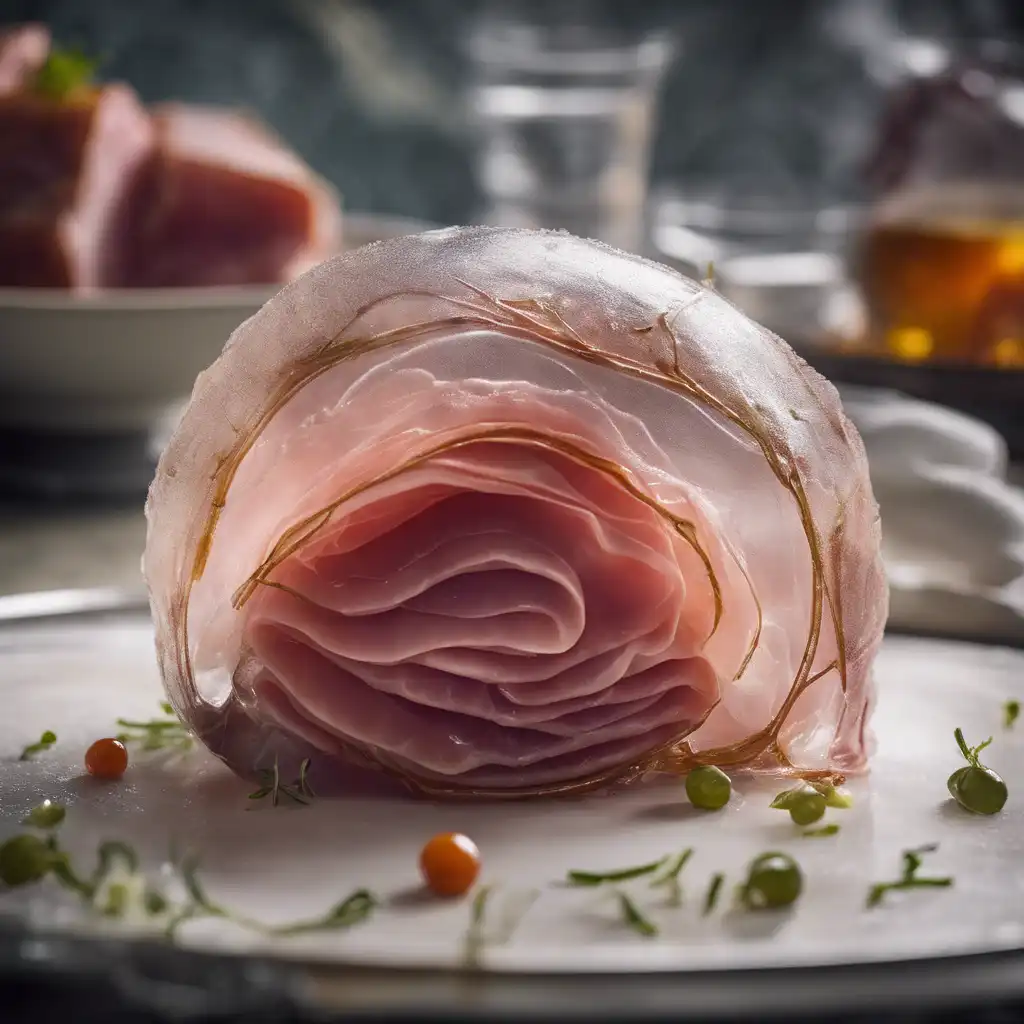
(563, 110)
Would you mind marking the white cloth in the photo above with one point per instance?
(952, 525)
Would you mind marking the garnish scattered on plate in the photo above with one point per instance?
(708, 788)
(820, 833)
(670, 878)
(634, 917)
(44, 742)
(299, 792)
(450, 864)
(45, 815)
(975, 787)
(107, 759)
(714, 889)
(774, 880)
(910, 878)
(619, 875)
(1011, 712)
(167, 732)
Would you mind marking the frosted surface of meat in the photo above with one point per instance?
(506, 511)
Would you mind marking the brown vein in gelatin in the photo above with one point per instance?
(536, 321)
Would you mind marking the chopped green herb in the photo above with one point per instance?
(299, 791)
(805, 804)
(44, 742)
(118, 898)
(154, 902)
(350, 911)
(670, 878)
(477, 913)
(510, 911)
(708, 788)
(64, 73)
(634, 918)
(975, 787)
(1011, 712)
(45, 815)
(825, 830)
(717, 881)
(621, 875)
(773, 880)
(166, 733)
(910, 878)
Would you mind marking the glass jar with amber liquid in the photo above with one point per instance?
(942, 262)
(942, 271)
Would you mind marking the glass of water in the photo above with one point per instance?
(563, 104)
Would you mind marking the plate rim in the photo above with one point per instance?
(144, 969)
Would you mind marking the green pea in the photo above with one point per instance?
(773, 880)
(807, 807)
(977, 789)
(708, 788)
(24, 859)
(46, 815)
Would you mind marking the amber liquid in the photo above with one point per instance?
(946, 286)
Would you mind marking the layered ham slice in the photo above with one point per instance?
(498, 512)
(222, 201)
(65, 170)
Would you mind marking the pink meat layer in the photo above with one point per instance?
(487, 634)
(65, 168)
(222, 201)
(23, 51)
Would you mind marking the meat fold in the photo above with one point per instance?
(501, 513)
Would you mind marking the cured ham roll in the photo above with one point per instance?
(505, 512)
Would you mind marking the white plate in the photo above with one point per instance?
(286, 863)
(119, 360)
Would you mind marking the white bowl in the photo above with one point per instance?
(121, 360)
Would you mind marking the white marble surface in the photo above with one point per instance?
(286, 863)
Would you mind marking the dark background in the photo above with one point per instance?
(776, 96)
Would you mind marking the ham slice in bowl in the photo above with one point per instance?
(503, 512)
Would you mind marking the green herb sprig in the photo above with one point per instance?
(714, 890)
(634, 918)
(910, 879)
(165, 733)
(299, 791)
(64, 73)
(47, 740)
(593, 878)
(670, 878)
(512, 910)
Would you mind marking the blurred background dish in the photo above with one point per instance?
(90, 384)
